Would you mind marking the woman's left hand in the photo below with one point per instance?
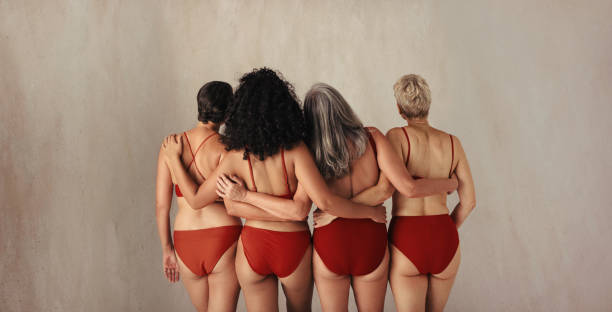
(173, 145)
(231, 188)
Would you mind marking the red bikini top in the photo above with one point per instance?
(177, 190)
(289, 194)
(450, 172)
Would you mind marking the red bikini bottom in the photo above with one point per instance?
(430, 242)
(351, 246)
(274, 252)
(200, 250)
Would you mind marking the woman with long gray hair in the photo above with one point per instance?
(351, 157)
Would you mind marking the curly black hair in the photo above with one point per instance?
(264, 116)
(213, 99)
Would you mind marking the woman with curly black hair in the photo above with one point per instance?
(264, 136)
(205, 240)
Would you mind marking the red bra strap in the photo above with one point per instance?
(452, 153)
(372, 142)
(198, 149)
(251, 171)
(285, 171)
(408, 139)
(190, 150)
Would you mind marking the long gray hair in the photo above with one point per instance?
(330, 125)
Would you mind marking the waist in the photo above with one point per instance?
(213, 215)
(279, 226)
(423, 218)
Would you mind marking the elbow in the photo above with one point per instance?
(301, 214)
(469, 206)
(231, 211)
(162, 211)
(326, 204)
(409, 190)
(387, 191)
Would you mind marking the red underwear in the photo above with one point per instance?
(351, 246)
(274, 252)
(430, 242)
(200, 250)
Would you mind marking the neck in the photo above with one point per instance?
(209, 125)
(418, 122)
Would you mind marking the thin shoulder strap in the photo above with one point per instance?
(202, 144)
(285, 171)
(190, 150)
(372, 142)
(407, 139)
(251, 171)
(198, 149)
(453, 154)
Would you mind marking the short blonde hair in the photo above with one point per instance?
(413, 96)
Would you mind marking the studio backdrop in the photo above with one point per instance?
(88, 90)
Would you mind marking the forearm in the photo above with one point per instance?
(248, 211)
(195, 197)
(287, 209)
(425, 187)
(375, 195)
(163, 228)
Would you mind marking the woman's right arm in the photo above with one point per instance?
(163, 202)
(466, 191)
(314, 185)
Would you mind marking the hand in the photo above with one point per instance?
(455, 182)
(173, 145)
(321, 218)
(231, 188)
(170, 266)
(380, 214)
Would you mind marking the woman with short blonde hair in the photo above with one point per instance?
(423, 236)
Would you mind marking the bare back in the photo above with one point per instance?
(363, 174)
(267, 176)
(428, 153)
(201, 154)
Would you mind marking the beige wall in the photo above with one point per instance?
(89, 88)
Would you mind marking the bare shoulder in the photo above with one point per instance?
(395, 131)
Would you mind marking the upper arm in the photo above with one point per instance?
(466, 191)
(309, 178)
(391, 164)
(163, 183)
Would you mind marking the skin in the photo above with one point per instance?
(430, 156)
(333, 289)
(304, 177)
(217, 291)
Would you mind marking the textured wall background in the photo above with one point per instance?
(89, 88)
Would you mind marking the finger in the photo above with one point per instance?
(226, 179)
(237, 179)
(221, 186)
(223, 180)
(221, 194)
(176, 276)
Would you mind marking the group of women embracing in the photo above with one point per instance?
(273, 160)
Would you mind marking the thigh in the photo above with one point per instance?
(408, 285)
(370, 289)
(298, 285)
(196, 286)
(260, 292)
(223, 283)
(333, 289)
(440, 285)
